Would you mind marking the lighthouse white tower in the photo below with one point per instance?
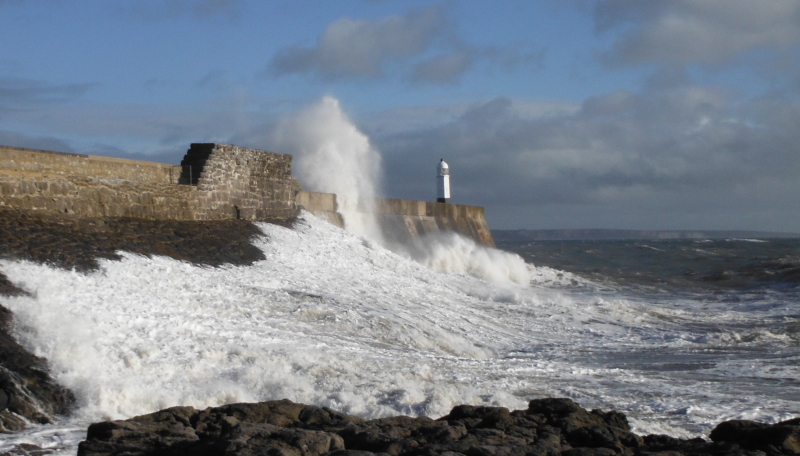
(442, 182)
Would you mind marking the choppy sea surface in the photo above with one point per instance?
(678, 335)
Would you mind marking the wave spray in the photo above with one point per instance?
(333, 156)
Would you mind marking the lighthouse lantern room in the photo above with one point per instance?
(442, 182)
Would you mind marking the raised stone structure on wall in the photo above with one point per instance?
(237, 182)
(214, 182)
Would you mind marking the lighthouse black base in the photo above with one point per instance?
(442, 200)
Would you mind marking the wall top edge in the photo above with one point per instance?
(94, 158)
(400, 200)
(25, 149)
(131, 162)
(220, 145)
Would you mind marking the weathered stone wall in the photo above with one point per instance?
(402, 220)
(237, 182)
(220, 182)
(322, 205)
(232, 182)
(89, 198)
(18, 162)
(90, 186)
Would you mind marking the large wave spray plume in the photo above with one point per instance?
(333, 156)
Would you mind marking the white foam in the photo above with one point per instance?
(332, 155)
(453, 253)
(337, 320)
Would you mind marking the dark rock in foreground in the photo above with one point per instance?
(7, 288)
(27, 392)
(548, 427)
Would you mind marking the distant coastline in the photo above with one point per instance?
(501, 236)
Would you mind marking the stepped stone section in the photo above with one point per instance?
(238, 182)
(322, 205)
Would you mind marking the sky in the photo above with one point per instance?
(552, 114)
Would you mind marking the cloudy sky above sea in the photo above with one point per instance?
(656, 114)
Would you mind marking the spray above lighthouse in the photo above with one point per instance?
(442, 182)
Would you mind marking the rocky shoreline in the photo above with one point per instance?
(548, 427)
(77, 243)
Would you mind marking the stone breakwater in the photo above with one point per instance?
(213, 182)
(548, 427)
(216, 182)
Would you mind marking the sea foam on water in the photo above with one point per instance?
(330, 320)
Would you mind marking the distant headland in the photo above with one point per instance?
(502, 236)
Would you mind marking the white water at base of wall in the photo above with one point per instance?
(453, 253)
(333, 156)
(335, 320)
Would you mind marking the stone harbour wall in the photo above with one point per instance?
(213, 182)
(90, 186)
(402, 220)
(19, 162)
(322, 205)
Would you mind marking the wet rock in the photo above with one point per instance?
(780, 438)
(276, 427)
(569, 416)
(9, 289)
(27, 449)
(5, 399)
(27, 392)
(33, 400)
(549, 427)
(76, 243)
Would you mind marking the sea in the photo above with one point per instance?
(677, 334)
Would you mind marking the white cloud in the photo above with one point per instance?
(350, 47)
(419, 46)
(679, 145)
(696, 31)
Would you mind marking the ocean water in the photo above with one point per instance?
(677, 336)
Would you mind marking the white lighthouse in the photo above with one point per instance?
(442, 182)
